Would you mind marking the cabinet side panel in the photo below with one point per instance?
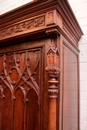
(70, 90)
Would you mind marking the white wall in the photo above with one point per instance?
(6, 5)
(80, 9)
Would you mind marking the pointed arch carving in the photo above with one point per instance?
(7, 109)
(19, 76)
(18, 111)
(24, 75)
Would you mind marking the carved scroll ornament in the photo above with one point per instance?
(23, 26)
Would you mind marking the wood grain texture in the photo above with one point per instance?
(20, 90)
(32, 38)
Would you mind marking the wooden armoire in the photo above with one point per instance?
(39, 67)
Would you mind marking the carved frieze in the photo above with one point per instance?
(22, 27)
(29, 25)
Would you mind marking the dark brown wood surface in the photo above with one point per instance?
(38, 43)
(20, 89)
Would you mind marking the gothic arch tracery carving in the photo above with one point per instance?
(25, 77)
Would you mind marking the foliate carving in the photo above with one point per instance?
(53, 90)
(52, 32)
(23, 26)
(53, 71)
(53, 93)
(53, 68)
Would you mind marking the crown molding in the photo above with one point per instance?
(69, 20)
(36, 17)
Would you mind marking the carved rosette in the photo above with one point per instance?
(52, 68)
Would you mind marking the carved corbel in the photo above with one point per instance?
(53, 72)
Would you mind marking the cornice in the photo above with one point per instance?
(33, 19)
(27, 11)
(69, 39)
(69, 19)
(37, 34)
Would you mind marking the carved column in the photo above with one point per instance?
(53, 72)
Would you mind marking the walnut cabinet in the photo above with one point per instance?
(39, 67)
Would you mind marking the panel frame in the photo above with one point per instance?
(66, 43)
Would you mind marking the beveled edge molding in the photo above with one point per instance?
(67, 30)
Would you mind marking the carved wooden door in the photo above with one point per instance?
(20, 89)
